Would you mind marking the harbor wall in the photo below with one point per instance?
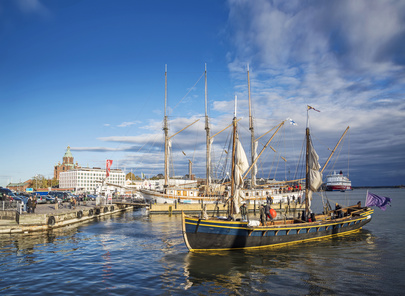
(27, 223)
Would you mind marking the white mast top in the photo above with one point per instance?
(236, 103)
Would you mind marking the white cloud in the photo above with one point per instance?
(125, 124)
(32, 7)
(346, 58)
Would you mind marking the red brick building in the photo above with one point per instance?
(18, 187)
(66, 165)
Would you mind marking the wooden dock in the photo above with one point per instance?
(282, 210)
(135, 205)
(47, 217)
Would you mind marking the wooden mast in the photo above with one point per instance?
(208, 139)
(264, 148)
(234, 123)
(166, 132)
(307, 174)
(334, 149)
(252, 135)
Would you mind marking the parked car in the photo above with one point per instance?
(17, 198)
(62, 195)
(41, 199)
(6, 194)
(91, 197)
(50, 198)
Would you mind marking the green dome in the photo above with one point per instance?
(68, 153)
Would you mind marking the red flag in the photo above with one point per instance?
(108, 166)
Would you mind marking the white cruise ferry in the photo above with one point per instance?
(338, 182)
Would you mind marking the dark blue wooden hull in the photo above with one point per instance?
(215, 234)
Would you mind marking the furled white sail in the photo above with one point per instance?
(315, 176)
(241, 165)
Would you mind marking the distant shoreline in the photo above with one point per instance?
(365, 187)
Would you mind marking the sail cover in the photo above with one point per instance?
(315, 176)
(241, 163)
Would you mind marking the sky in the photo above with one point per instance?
(90, 74)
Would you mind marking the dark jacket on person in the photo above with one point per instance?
(243, 210)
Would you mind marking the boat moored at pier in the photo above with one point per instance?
(203, 233)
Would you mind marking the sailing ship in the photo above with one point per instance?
(191, 191)
(227, 233)
(337, 182)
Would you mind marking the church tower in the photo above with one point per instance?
(66, 165)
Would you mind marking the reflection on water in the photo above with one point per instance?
(311, 266)
(133, 253)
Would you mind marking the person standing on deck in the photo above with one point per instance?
(338, 210)
(262, 214)
(267, 211)
(243, 211)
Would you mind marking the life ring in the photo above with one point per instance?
(105, 209)
(91, 212)
(51, 221)
(79, 214)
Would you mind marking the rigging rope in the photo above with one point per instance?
(189, 91)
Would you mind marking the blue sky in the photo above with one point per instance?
(90, 74)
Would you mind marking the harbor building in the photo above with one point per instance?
(18, 187)
(66, 165)
(90, 180)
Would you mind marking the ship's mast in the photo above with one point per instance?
(334, 149)
(307, 173)
(166, 131)
(252, 135)
(234, 123)
(208, 140)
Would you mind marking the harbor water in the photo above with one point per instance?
(135, 254)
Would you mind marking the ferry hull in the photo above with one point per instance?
(338, 187)
(209, 235)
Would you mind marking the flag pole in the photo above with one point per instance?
(366, 198)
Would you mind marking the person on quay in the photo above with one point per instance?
(29, 204)
(33, 204)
